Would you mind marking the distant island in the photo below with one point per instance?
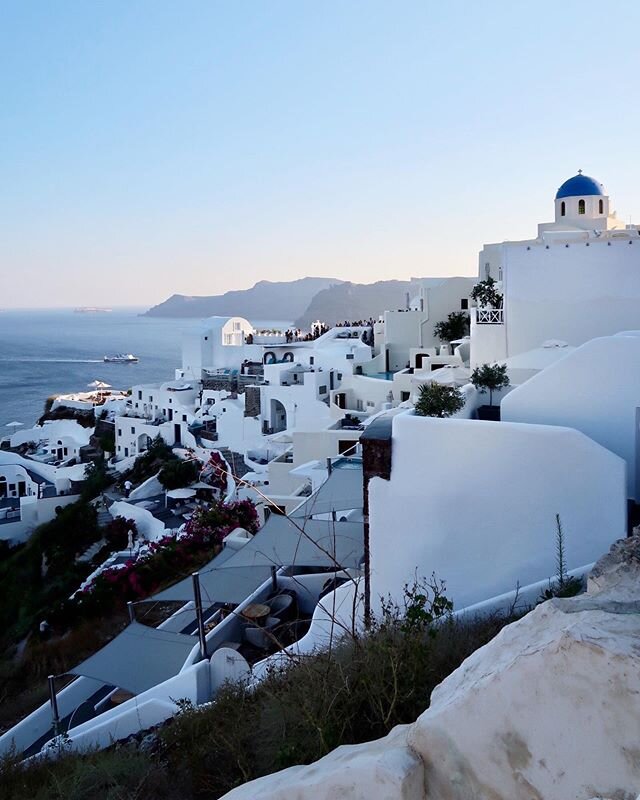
(303, 301)
(284, 300)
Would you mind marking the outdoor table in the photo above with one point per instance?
(121, 696)
(256, 612)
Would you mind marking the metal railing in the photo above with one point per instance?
(490, 316)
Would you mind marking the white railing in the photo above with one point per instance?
(490, 316)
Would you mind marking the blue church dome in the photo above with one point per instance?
(580, 185)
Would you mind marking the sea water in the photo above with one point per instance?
(61, 351)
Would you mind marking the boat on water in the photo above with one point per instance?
(121, 358)
(92, 310)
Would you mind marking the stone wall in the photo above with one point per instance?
(252, 401)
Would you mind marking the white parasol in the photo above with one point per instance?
(181, 494)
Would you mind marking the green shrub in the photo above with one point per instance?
(150, 463)
(121, 774)
(486, 294)
(436, 400)
(491, 378)
(178, 473)
(456, 326)
(96, 481)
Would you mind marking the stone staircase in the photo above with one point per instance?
(90, 552)
(104, 518)
(235, 461)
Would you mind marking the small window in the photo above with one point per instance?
(139, 395)
(464, 304)
(133, 430)
(206, 338)
(563, 208)
(601, 206)
(487, 269)
(119, 431)
(339, 376)
(404, 396)
(322, 389)
(581, 207)
(184, 417)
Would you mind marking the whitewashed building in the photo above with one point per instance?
(579, 278)
(475, 503)
(594, 389)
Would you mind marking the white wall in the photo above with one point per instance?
(148, 526)
(574, 293)
(54, 430)
(319, 445)
(475, 502)
(235, 431)
(596, 389)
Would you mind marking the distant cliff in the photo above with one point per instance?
(266, 300)
(354, 301)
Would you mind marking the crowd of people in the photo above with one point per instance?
(359, 323)
(317, 330)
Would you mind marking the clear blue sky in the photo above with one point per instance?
(150, 147)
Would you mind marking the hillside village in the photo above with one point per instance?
(282, 487)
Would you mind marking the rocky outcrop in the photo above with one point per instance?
(383, 770)
(548, 710)
(356, 301)
(267, 300)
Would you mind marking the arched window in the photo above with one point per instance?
(581, 208)
(563, 209)
(601, 206)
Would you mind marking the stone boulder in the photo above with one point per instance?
(548, 710)
(617, 574)
(382, 770)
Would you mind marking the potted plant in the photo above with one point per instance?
(490, 378)
(456, 326)
(486, 295)
(436, 400)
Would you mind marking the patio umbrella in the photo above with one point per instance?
(99, 385)
(181, 494)
(14, 424)
(201, 485)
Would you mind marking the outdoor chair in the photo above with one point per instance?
(261, 637)
(282, 606)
